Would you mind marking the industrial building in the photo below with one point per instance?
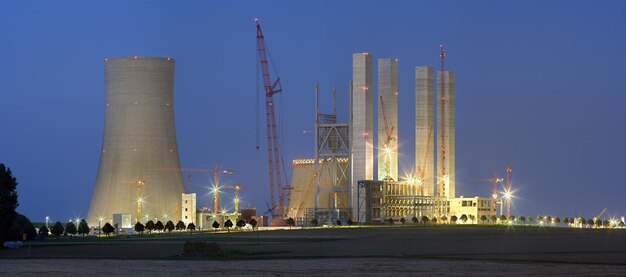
(138, 144)
(362, 145)
(339, 182)
(424, 130)
(446, 133)
(188, 208)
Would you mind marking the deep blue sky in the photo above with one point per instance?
(540, 85)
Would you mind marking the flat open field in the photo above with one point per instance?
(463, 250)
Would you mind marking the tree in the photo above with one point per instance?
(180, 226)
(424, 219)
(529, 219)
(150, 226)
(494, 218)
(403, 221)
(590, 222)
(548, 219)
(463, 218)
(292, 222)
(43, 232)
(472, 218)
(621, 224)
(338, 222)
(565, 220)
(191, 227)
(139, 228)
(253, 223)
(229, 224)
(70, 228)
(453, 219)
(414, 219)
(390, 221)
(511, 218)
(539, 219)
(433, 220)
(350, 222)
(215, 225)
(169, 226)
(521, 219)
(313, 222)
(502, 219)
(483, 218)
(556, 220)
(241, 223)
(83, 228)
(107, 229)
(606, 223)
(159, 226)
(8, 201)
(21, 226)
(444, 219)
(57, 229)
(598, 223)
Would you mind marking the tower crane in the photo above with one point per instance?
(388, 138)
(275, 181)
(495, 180)
(236, 187)
(215, 187)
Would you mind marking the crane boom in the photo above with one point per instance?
(275, 180)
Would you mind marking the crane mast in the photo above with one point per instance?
(275, 180)
(388, 138)
(442, 186)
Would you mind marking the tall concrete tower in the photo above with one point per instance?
(388, 91)
(425, 129)
(138, 172)
(447, 127)
(361, 125)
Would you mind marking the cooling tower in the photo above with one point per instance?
(138, 171)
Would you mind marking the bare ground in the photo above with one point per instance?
(342, 251)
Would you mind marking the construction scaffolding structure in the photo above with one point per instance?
(322, 184)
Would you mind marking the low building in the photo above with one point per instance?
(473, 208)
(188, 209)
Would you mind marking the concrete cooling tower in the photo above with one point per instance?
(138, 172)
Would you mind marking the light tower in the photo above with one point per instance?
(508, 190)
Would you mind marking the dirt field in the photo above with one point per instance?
(341, 251)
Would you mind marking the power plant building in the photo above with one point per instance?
(388, 92)
(361, 124)
(137, 173)
(424, 130)
(445, 128)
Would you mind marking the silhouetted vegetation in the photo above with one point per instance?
(8, 202)
(108, 229)
(83, 228)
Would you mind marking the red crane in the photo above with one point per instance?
(272, 134)
(442, 187)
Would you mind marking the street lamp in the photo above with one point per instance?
(47, 218)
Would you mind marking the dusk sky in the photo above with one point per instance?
(538, 84)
